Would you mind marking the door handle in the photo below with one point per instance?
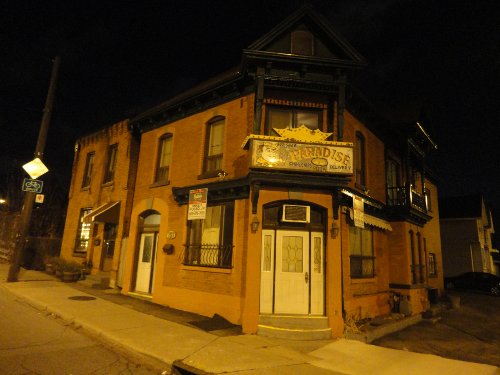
(306, 277)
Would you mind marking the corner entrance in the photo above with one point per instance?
(292, 270)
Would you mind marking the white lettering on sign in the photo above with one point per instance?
(197, 208)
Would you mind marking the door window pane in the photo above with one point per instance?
(147, 249)
(292, 254)
(267, 254)
(317, 254)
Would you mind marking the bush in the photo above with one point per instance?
(72, 267)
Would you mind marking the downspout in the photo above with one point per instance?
(341, 268)
(471, 257)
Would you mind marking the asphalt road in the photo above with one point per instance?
(470, 333)
(32, 342)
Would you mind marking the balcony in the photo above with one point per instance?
(407, 204)
(403, 196)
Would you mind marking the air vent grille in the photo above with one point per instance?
(296, 214)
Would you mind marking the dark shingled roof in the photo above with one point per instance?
(466, 206)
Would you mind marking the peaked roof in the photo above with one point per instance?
(330, 45)
(468, 206)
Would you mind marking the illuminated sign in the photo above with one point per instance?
(324, 157)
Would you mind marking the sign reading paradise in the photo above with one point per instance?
(197, 208)
(320, 158)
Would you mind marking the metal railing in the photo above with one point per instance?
(405, 196)
(209, 255)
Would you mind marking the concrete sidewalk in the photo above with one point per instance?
(168, 341)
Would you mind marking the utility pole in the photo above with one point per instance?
(29, 197)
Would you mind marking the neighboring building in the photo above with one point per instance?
(315, 206)
(100, 199)
(466, 230)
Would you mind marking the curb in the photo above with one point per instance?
(104, 337)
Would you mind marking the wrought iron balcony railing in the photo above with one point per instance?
(406, 196)
(208, 255)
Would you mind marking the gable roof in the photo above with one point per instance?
(461, 207)
(330, 45)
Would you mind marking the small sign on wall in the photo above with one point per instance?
(359, 211)
(197, 204)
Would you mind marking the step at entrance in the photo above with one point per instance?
(294, 327)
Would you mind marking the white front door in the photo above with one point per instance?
(292, 272)
(147, 251)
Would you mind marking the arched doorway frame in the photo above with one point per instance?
(148, 228)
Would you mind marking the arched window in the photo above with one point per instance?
(163, 159)
(214, 146)
(359, 160)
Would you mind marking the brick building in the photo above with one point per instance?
(270, 197)
(100, 199)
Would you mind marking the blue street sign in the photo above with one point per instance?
(33, 186)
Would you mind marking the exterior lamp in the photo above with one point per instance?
(3, 201)
(334, 230)
(254, 225)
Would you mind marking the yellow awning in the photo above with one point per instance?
(376, 222)
(372, 220)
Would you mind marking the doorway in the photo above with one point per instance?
(146, 255)
(292, 279)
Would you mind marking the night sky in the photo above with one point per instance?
(119, 58)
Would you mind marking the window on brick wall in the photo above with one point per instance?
(362, 259)
(432, 265)
(289, 118)
(210, 240)
(359, 160)
(214, 146)
(87, 173)
(163, 159)
(82, 232)
(109, 171)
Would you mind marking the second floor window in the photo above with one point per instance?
(210, 240)
(359, 160)
(394, 189)
(109, 172)
(362, 260)
(164, 158)
(289, 118)
(87, 173)
(214, 146)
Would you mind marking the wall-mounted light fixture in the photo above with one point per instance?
(254, 225)
(334, 230)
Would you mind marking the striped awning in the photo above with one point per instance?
(373, 221)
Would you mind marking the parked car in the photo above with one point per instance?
(481, 281)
